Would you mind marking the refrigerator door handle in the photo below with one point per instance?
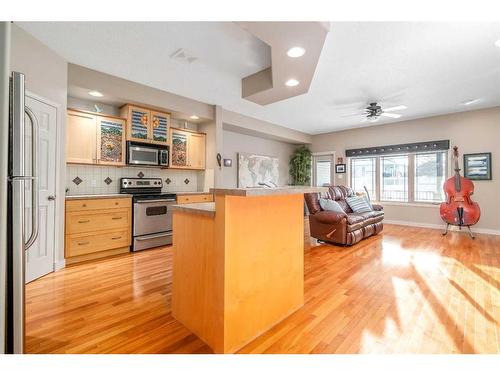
(34, 184)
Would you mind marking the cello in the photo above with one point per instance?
(459, 209)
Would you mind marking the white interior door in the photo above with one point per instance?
(40, 256)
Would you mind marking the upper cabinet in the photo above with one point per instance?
(187, 149)
(95, 139)
(146, 125)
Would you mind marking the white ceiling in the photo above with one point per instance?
(429, 67)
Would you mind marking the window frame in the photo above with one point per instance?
(411, 176)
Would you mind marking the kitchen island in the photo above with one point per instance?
(238, 265)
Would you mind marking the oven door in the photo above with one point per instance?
(152, 216)
(140, 155)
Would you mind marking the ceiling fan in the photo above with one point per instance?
(374, 111)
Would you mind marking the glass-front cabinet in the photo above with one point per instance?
(92, 138)
(110, 141)
(187, 149)
(146, 125)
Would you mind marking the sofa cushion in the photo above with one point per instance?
(358, 204)
(330, 205)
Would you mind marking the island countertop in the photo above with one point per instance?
(204, 208)
(258, 191)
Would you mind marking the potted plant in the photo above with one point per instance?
(300, 166)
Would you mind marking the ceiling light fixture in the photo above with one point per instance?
(470, 102)
(194, 117)
(497, 43)
(292, 82)
(95, 93)
(296, 52)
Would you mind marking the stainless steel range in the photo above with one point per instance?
(152, 212)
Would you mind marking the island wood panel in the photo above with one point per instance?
(264, 263)
(228, 268)
(198, 277)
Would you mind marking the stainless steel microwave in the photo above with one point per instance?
(146, 154)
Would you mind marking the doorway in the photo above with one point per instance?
(323, 169)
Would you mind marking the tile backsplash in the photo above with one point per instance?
(89, 179)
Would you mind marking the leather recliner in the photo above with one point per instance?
(344, 228)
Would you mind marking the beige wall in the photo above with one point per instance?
(46, 76)
(237, 142)
(474, 131)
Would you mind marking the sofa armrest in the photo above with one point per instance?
(329, 217)
(377, 207)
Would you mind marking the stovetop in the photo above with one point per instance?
(144, 188)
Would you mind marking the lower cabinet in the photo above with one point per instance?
(194, 198)
(96, 228)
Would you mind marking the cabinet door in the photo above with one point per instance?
(178, 149)
(138, 124)
(110, 141)
(81, 138)
(196, 151)
(160, 122)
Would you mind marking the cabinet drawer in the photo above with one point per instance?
(194, 198)
(97, 204)
(78, 244)
(80, 222)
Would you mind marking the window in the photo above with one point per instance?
(430, 175)
(323, 172)
(394, 178)
(413, 178)
(363, 174)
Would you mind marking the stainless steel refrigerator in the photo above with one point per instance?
(22, 231)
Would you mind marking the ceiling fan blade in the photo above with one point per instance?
(353, 114)
(397, 108)
(391, 115)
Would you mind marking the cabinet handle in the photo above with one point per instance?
(116, 238)
(83, 221)
(83, 243)
(116, 218)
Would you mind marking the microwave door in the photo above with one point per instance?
(143, 156)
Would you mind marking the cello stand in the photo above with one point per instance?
(470, 232)
(460, 227)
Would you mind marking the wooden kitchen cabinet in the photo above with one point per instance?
(96, 228)
(187, 149)
(95, 139)
(146, 125)
(194, 198)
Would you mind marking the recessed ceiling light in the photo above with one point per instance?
(296, 52)
(497, 43)
(194, 117)
(292, 82)
(95, 93)
(470, 102)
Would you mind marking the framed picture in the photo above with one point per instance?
(477, 166)
(339, 168)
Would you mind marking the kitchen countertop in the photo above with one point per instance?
(96, 196)
(205, 208)
(257, 191)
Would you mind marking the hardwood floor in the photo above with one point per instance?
(408, 290)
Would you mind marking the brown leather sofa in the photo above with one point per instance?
(346, 228)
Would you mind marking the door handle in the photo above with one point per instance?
(34, 172)
(51, 197)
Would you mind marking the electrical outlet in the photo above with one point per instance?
(93, 183)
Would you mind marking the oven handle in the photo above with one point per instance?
(150, 237)
(156, 201)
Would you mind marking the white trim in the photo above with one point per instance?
(323, 153)
(59, 265)
(494, 232)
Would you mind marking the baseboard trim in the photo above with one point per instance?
(440, 226)
(59, 265)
